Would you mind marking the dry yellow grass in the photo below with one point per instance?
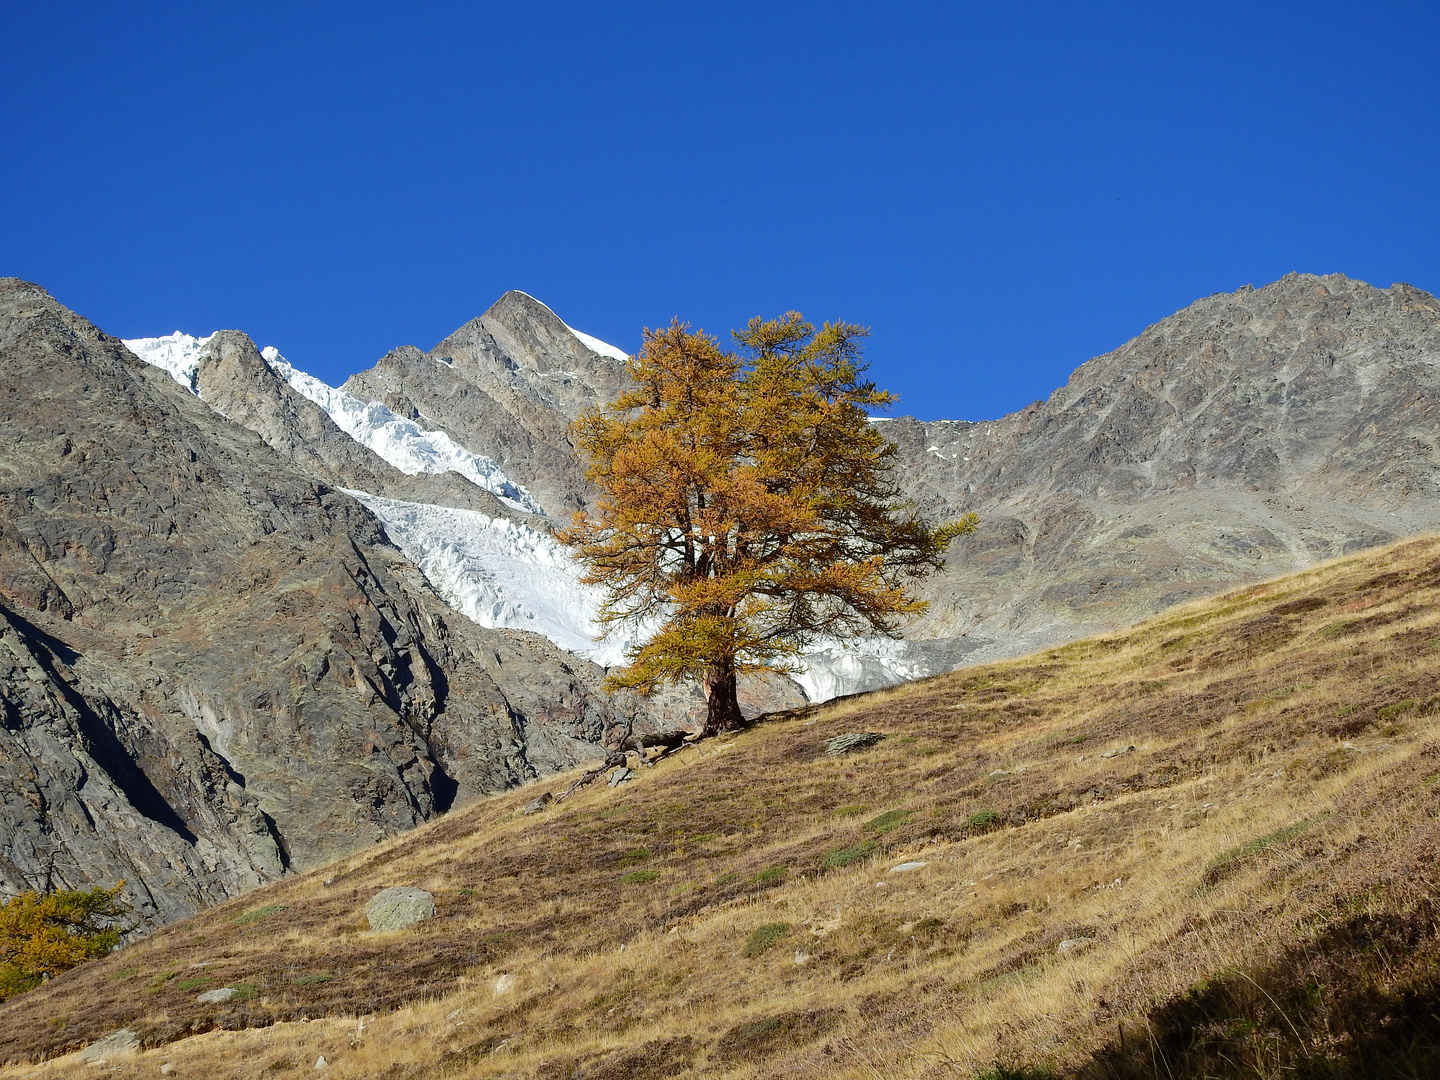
(1111, 831)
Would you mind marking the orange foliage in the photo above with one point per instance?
(746, 505)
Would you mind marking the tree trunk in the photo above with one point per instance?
(722, 708)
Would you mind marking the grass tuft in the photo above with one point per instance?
(1234, 857)
(260, 913)
(983, 821)
(998, 1071)
(762, 938)
(847, 855)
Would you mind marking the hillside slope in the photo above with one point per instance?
(1204, 846)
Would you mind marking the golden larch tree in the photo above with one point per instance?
(746, 506)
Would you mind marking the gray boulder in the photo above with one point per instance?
(398, 907)
(122, 1043)
(537, 804)
(855, 740)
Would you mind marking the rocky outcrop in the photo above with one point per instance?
(214, 665)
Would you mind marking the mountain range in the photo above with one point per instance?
(253, 622)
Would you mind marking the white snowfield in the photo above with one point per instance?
(499, 573)
(177, 353)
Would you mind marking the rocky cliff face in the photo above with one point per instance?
(1251, 434)
(214, 665)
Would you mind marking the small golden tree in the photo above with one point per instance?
(43, 934)
(746, 506)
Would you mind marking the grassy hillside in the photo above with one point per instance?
(1205, 846)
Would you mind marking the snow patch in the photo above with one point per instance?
(177, 353)
(595, 345)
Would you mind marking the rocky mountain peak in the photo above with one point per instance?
(511, 381)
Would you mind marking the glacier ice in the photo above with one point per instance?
(500, 573)
(177, 353)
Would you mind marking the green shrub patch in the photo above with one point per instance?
(763, 937)
(847, 855)
(888, 821)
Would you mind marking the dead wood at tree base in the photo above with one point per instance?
(667, 742)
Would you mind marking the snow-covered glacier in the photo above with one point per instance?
(833, 668)
(500, 574)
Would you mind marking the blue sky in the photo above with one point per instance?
(998, 191)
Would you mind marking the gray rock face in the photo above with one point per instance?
(1251, 434)
(507, 385)
(399, 907)
(218, 996)
(213, 666)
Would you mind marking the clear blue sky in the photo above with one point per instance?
(999, 190)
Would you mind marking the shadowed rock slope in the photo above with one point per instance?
(213, 665)
(1209, 839)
